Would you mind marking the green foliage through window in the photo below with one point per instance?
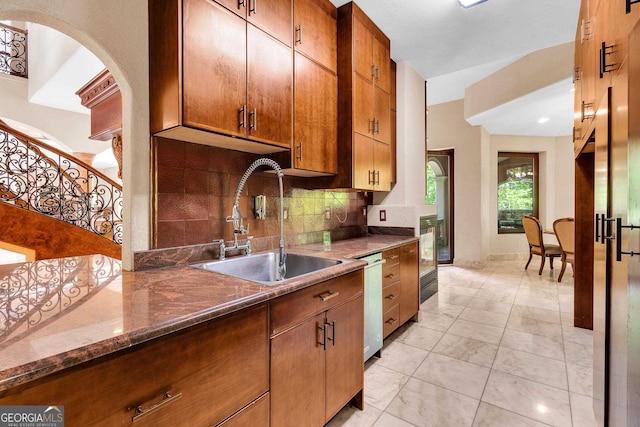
(517, 190)
(430, 198)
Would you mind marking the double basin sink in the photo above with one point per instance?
(263, 267)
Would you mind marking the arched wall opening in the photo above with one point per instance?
(116, 32)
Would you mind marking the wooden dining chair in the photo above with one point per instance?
(533, 230)
(565, 233)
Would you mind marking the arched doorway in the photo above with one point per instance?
(440, 192)
(116, 32)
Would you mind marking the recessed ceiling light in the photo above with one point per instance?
(543, 120)
(470, 3)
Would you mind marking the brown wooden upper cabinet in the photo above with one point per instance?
(215, 75)
(364, 118)
(314, 150)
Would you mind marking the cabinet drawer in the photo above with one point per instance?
(291, 309)
(392, 256)
(390, 296)
(255, 414)
(391, 275)
(390, 320)
(225, 361)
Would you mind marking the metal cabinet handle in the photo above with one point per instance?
(597, 229)
(373, 71)
(377, 182)
(241, 3)
(327, 296)
(242, 113)
(166, 399)
(391, 321)
(253, 120)
(253, 9)
(619, 251)
(299, 155)
(603, 225)
(323, 343)
(392, 256)
(371, 177)
(391, 297)
(331, 338)
(299, 34)
(390, 276)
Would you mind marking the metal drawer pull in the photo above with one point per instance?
(390, 276)
(391, 321)
(391, 297)
(329, 295)
(253, 9)
(392, 256)
(166, 399)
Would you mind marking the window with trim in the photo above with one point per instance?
(517, 190)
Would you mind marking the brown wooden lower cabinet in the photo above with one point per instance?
(199, 377)
(317, 359)
(401, 287)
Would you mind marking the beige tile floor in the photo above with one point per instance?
(494, 347)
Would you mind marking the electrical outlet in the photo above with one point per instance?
(285, 214)
(383, 215)
(327, 213)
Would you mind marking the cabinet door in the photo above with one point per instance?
(381, 59)
(382, 129)
(315, 33)
(271, 16)
(363, 169)
(409, 282)
(214, 90)
(269, 89)
(297, 375)
(344, 355)
(363, 106)
(316, 114)
(382, 167)
(362, 50)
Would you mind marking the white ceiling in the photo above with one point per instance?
(452, 47)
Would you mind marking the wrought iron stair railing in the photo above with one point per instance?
(13, 51)
(43, 179)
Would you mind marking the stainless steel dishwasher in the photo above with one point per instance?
(372, 305)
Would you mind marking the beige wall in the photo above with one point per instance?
(475, 180)
(116, 32)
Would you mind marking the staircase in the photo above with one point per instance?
(42, 179)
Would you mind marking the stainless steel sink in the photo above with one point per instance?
(263, 267)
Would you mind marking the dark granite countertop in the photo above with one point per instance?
(58, 313)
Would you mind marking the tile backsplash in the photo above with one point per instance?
(194, 189)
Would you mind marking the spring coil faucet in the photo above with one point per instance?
(236, 217)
